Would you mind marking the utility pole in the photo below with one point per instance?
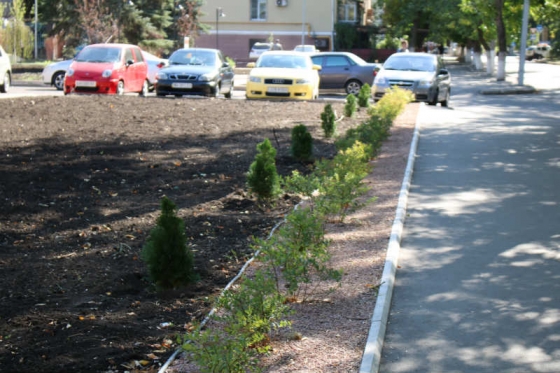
(303, 10)
(219, 14)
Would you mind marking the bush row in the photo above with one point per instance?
(296, 255)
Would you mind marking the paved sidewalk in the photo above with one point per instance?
(479, 266)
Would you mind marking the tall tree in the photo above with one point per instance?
(18, 37)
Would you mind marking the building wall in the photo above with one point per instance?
(292, 24)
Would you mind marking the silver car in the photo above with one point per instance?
(5, 71)
(53, 74)
(422, 73)
(344, 71)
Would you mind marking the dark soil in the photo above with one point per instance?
(81, 184)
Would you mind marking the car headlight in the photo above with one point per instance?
(303, 81)
(255, 79)
(70, 72)
(107, 73)
(161, 76)
(207, 77)
(425, 83)
(381, 81)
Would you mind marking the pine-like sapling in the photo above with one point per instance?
(262, 178)
(364, 95)
(351, 106)
(302, 143)
(168, 257)
(328, 121)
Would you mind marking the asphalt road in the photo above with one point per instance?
(478, 283)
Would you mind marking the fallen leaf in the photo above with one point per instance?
(153, 356)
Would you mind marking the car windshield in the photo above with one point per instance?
(99, 54)
(284, 61)
(410, 63)
(189, 57)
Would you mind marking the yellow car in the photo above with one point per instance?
(283, 75)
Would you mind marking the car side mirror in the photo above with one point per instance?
(161, 64)
(225, 64)
(251, 65)
(317, 67)
(443, 72)
(129, 62)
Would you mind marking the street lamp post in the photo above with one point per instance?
(35, 30)
(219, 14)
(523, 46)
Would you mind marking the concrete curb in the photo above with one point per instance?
(28, 83)
(509, 91)
(374, 344)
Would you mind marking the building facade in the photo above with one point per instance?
(235, 25)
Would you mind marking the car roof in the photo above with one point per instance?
(111, 45)
(287, 53)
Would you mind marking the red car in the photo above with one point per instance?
(108, 68)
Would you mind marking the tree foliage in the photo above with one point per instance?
(158, 26)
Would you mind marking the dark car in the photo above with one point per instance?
(196, 71)
(421, 73)
(344, 70)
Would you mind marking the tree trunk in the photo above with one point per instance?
(502, 47)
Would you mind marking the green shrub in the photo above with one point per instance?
(364, 95)
(302, 143)
(298, 251)
(392, 104)
(168, 257)
(218, 351)
(328, 121)
(262, 178)
(341, 184)
(351, 106)
(257, 309)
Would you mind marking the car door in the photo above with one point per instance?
(141, 67)
(130, 71)
(335, 71)
(443, 80)
(226, 73)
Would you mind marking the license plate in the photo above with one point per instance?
(86, 83)
(181, 85)
(278, 90)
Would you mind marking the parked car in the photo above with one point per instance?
(344, 70)
(537, 52)
(422, 73)
(196, 71)
(53, 73)
(109, 69)
(283, 75)
(307, 48)
(5, 71)
(258, 48)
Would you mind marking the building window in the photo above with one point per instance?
(258, 10)
(348, 11)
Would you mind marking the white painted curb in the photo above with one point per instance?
(374, 344)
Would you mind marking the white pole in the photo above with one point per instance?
(35, 30)
(332, 22)
(523, 46)
(303, 23)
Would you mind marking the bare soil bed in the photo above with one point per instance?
(81, 183)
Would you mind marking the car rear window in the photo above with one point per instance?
(99, 54)
(262, 46)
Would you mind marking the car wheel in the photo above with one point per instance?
(214, 93)
(445, 102)
(434, 99)
(5, 86)
(229, 93)
(120, 88)
(144, 91)
(58, 80)
(353, 87)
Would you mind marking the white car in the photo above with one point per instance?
(53, 74)
(307, 48)
(258, 49)
(538, 51)
(5, 71)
